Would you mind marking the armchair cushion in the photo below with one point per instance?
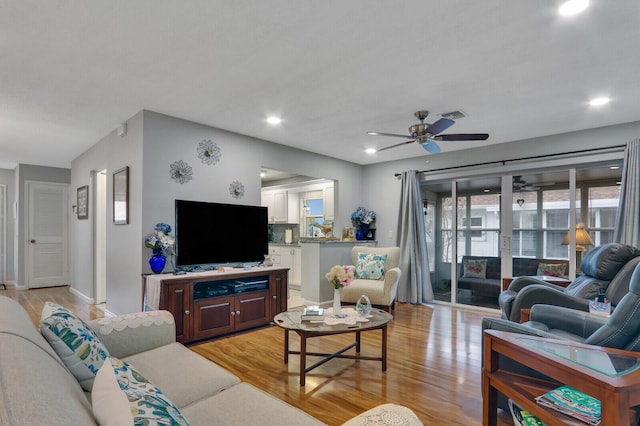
(370, 266)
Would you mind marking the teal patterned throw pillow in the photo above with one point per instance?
(370, 266)
(74, 341)
(121, 395)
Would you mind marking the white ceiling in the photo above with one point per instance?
(71, 70)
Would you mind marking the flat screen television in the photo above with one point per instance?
(210, 235)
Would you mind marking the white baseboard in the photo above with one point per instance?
(86, 299)
(12, 283)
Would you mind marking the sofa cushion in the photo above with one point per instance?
(75, 343)
(183, 375)
(370, 266)
(474, 268)
(123, 396)
(551, 269)
(257, 407)
(36, 388)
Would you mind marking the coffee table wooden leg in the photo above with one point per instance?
(303, 358)
(286, 346)
(384, 348)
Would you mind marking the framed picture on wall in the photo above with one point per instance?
(121, 196)
(83, 202)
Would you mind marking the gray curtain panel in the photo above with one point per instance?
(415, 283)
(627, 227)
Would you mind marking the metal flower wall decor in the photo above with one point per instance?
(209, 152)
(236, 189)
(181, 172)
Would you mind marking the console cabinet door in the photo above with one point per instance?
(252, 309)
(176, 298)
(278, 287)
(213, 316)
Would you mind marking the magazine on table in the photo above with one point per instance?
(572, 402)
(312, 313)
(523, 417)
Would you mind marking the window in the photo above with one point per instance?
(602, 207)
(476, 222)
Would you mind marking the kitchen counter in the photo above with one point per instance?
(318, 256)
(285, 244)
(323, 241)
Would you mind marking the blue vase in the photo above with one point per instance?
(157, 261)
(364, 231)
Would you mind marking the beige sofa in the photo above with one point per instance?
(37, 388)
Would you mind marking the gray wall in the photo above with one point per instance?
(152, 143)
(123, 279)
(7, 177)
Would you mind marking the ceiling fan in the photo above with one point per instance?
(521, 185)
(427, 134)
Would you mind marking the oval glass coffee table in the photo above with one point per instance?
(290, 321)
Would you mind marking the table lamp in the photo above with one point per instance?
(582, 239)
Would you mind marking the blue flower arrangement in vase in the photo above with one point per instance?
(161, 243)
(363, 219)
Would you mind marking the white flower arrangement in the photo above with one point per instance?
(340, 276)
(159, 240)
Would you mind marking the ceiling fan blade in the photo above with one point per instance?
(398, 144)
(440, 126)
(389, 134)
(462, 137)
(431, 147)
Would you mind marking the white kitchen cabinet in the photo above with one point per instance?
(276, 204)
(288, 257)
(328, 203)
(295, 277)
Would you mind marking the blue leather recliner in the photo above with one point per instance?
(607, 267)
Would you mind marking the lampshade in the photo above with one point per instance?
(582, 237)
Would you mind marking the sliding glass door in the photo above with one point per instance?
(543, 207)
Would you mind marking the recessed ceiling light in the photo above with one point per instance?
(573, 7)
(599, 101)
(370, 150)
(614, 167)
(373, 133)
(274, 120)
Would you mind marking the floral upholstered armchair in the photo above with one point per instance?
(376, 276)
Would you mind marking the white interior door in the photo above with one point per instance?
(47, 235)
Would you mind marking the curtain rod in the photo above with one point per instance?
(534, 157)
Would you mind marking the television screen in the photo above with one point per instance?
(220, 234)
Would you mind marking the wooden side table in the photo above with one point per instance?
(609, 375)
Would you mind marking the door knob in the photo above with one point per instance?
(32, 241)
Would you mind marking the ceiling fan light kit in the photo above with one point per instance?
(427, 134)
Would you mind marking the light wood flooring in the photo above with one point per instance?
(434, 363)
